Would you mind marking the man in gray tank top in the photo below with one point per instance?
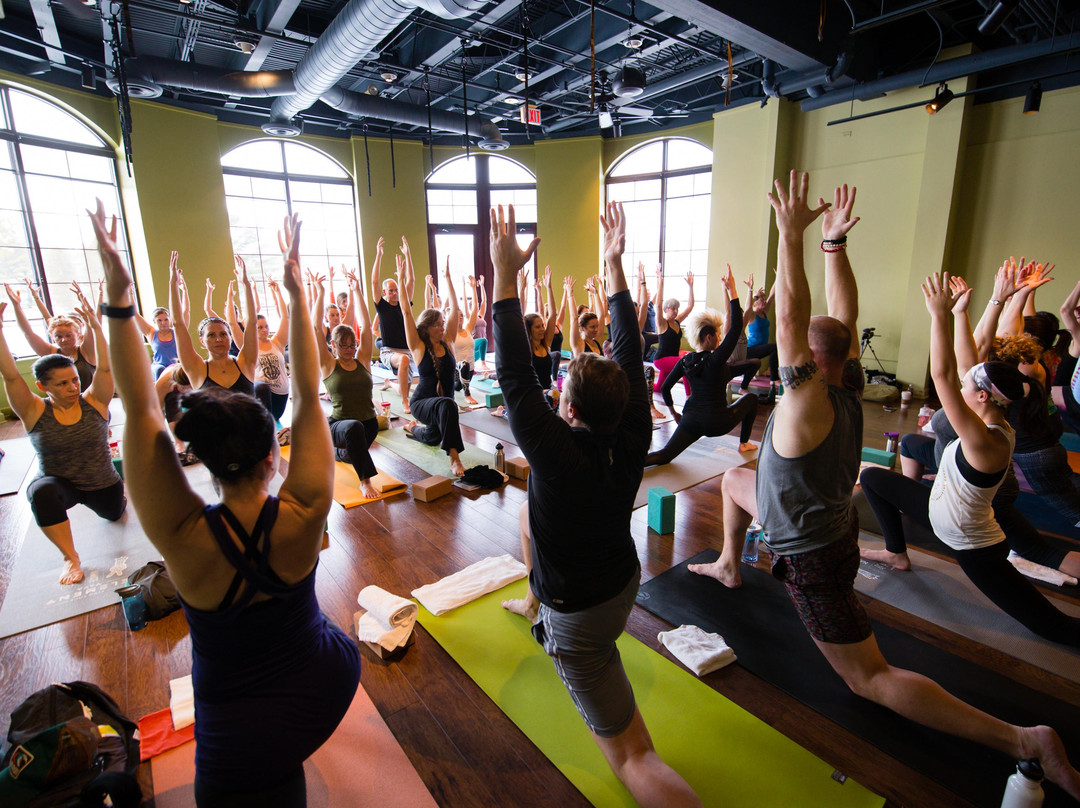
(808, 464)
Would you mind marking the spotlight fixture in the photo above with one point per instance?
(389, 76)
(629, 83)
(513, 101)
(521, 75)
(89, 76)
(186, 2)
(942, 96)
(246, 46)
(633, 42)
(1033, 99)
(996, 16)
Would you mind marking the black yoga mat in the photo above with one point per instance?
(1047, 520)
(759, 622)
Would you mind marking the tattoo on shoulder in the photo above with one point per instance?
(794, 377)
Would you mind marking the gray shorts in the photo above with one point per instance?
(582, 646)
(386, 356)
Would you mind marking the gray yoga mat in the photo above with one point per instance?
(17, 460)
(483, 421)
(704, 459)
(937, 590)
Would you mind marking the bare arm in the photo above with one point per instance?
(1070, 310)
(190, 361)
(27, 406)
(208, 301)
(963, 339)
(642, 303)
(577, 342)
(230, 313)
(366, 341)
(448, 291)
(416, 345)
(482, 308)
(841, 291)
(281, 336)
(473, 309)
(376, 284)
(682, 315)
(35, 292)
(88, 347)
(37, 344)
(409, 268)
(1005, 286)
(101, 389)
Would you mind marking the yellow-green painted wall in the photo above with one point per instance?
(569, 192)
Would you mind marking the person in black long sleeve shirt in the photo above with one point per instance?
(706, 411)
(585, 570)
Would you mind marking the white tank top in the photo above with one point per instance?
(960, 511)
(464, 347)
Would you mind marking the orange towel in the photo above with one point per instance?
(156, 734)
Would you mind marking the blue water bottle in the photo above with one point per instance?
(750, 549)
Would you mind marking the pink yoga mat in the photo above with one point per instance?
(361, 764)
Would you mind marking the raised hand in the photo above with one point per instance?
(793, 215)
(1040, 274)
(13, 294)
(471, 280)
(837, 221)
(749, 282)
(35, 290)
(240, 268)
(690, 279)
(117, 277)
(961, 295)
(405, 247)
(568, 282)
(614, 223)
(938, 295)
(289, 242)
(1006, 281)
(380, 245)
(730, 284)
(210, 286)
(399, 271)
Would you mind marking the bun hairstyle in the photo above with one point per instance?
(229, 432)
(585, 319)
(47, 364)
(1043, 327)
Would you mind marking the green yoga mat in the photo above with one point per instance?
(728, 756)
(431, 459)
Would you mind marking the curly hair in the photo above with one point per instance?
(1017, 349)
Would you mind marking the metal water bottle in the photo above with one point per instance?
(1023, 789)
(750, 548)
(500, 458)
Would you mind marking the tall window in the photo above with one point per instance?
(460, 194)
(665, 187)
(265, 180)
(52, 168)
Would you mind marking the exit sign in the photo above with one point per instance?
(529, 114)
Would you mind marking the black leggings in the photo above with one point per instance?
(695, 424)
(50, 498)
(289, 793)
(355, 438)
(891, 494)
(439, 423)
(760, 352)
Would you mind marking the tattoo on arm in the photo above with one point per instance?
(794, 377)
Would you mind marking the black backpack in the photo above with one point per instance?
(51, 725)
(157, 589)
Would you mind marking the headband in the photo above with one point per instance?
(982, 382)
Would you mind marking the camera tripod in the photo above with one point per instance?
(867, 335)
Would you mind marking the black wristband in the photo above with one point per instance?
(117, 312)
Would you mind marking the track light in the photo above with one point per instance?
(942, 97)
(89, 76)
(996, 16)
(389, 76)
(1033, 99)
(629, 83)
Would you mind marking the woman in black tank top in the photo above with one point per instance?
(669, 323)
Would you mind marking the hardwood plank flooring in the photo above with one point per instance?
(466, 751)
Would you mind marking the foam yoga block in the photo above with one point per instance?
(432, 488)
(517, 467)
(882, 458)
(487, 391)
(661, 510)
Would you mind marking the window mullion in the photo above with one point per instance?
(31, 227)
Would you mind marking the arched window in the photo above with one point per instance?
(52, 168)
(460, 194)
(665, 187)
(266, 180)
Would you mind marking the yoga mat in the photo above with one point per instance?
(759, 622)
(360, 764)
(937, 590)
(347, 484)
(717, 747)
(18, 457)
(431, 459)
(1046, 519)
(483, 421)
(704, 459)
(109, 552)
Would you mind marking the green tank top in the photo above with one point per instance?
(350, 393)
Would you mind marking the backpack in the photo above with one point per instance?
(60, 755)
(157, 589)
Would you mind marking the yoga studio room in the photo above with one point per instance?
(539, 403)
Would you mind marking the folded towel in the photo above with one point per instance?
(388, 619)
(1039, 572)
(470, 583)
(156, 734)
(698, 650)
(182, 702)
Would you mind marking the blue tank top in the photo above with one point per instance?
(757, 333)
(272, 679)
(164, 352)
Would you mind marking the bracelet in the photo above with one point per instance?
(833, 246)
(117, 312)
(994, 301)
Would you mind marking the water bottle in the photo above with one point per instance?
(750, 548)
(134, 606)
(905, 397)
(1022, 790)
(891, 439)
(500, 458)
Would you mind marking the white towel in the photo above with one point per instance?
(698, 650)
(182, 702)
(388, 619)
(470, 583)
(1039, 572)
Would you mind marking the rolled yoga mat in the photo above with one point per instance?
(715, 745)
(760, 624)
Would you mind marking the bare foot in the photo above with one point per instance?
(405, 408)
(368, 490)
(457, 468)
(747, 447)
(385, 385)
(527, 607)
(1043, 743)
(898, 561)
(409, 427)
(73, 573)
(731, 578)
(657, 415)
(470, 400)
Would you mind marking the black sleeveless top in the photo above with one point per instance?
(436, 376)
(242, 384)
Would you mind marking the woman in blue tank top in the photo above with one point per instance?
(272, 675)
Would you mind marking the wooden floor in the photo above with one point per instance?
(467, 752)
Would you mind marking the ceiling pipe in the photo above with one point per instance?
(768, 78)
(147, 74)
(354, 33)
(949, 70)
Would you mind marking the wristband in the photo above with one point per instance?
(834, 245)
(995, 302)
(117, 312)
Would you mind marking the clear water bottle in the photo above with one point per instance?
(750, 548)
(1023, 789)
(500, 458)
